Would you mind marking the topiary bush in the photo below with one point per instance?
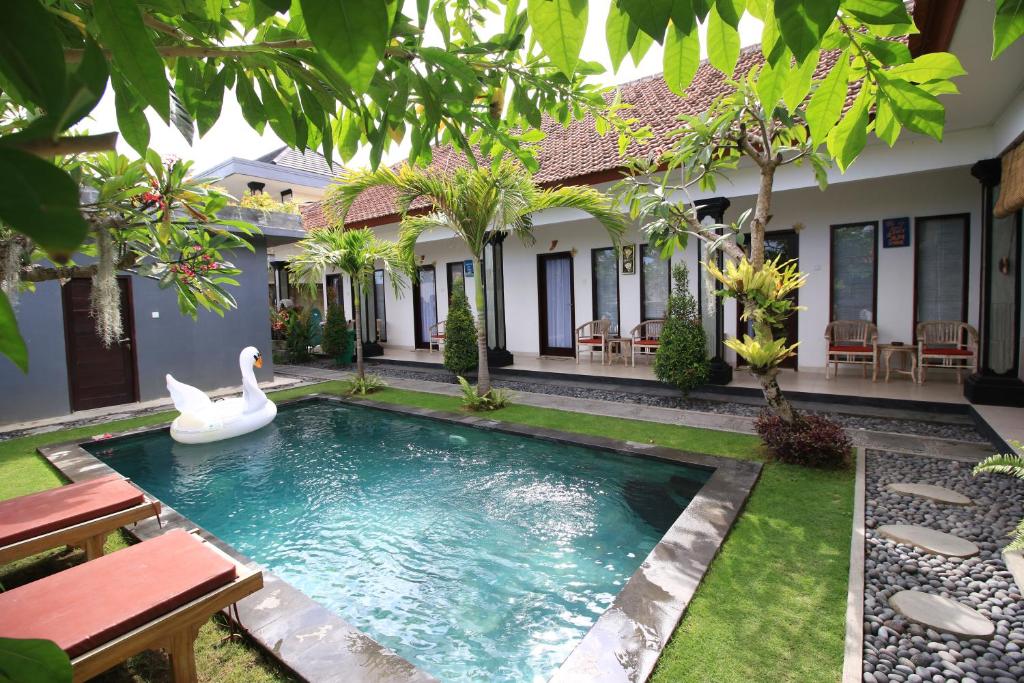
(460, 354)
(298, 337)
(336, 342)
(811, 440)
(682, 358)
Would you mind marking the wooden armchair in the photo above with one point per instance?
(436, 335)
(946, 344)
(592, 335)
(853, 342)
(646, 338)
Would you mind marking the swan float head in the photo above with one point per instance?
(252, 356)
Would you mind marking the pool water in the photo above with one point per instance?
(473, 554)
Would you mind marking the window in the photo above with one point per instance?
(854, 271)
(655, 283)
(604, 265)
(286, 196)
(378, 304)
(456, 278)
(940, 268)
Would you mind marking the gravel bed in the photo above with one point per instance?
(899, 651)
(941, 430)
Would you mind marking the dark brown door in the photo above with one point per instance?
(98, 376)
(787, 244)
(557, 308)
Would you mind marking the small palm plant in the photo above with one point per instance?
(356, 253)
(477, 204)
(1013, 465)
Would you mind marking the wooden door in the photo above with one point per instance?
(98, 376)
(787, 244)
(557, 304)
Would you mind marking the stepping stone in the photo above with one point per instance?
(942, 615)
(939, 494)
(929, 540)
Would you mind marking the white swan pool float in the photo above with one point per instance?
(204, 421)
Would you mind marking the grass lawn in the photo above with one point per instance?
(772, 607)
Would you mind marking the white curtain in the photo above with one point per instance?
(428, 302)
(606, 286)
(940, 268)
(558, 272)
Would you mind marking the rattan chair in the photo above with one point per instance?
(592, 335)
(436, 336)
(946, 344)
(851, 342)
(646, 338)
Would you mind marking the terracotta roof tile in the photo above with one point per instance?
(576, 151)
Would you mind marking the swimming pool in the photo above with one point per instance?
(474, 554)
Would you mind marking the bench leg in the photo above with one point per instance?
(94, 547)
(182, 652)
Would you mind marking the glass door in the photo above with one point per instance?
(557, 322)
(425, 298)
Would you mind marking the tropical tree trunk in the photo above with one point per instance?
(483, 370)
(357, 311)
(773, 395)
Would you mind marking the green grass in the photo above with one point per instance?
(771, 608)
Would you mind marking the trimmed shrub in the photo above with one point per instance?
(460, 354)
(682, 358)
(811, 441)
(336, 342)
(298, 337)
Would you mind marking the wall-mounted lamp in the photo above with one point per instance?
(798, 227)
(554, 243)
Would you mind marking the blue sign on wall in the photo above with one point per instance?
(896, 232)
(467, 268)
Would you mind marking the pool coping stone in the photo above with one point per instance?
(622, 646)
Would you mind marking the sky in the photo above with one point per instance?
(231, 136)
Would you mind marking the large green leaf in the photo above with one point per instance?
(771, 81)
(123, 33)
(802, 23)
(40, 200)
(723, 42)
(616, 33)
(878, 12)
(277, 114)
(131, 117)
(651, 16)
(798, 81)
(209, 102)
(31, 58)
(351, 34)
(930, 67)
(12, 346)
(639, 43)
(560, 27)
(847, 139)
(681, 59)
(249, 102)
(916, 109)
(827, 102)
(1008, 26)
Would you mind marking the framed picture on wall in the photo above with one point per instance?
(896, 232)
(628, 259)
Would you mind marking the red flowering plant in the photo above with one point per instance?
(147, 217)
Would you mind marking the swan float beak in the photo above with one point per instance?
(259, 361)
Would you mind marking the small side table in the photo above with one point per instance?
(888, 351)
(619, 347)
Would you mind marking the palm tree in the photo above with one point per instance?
(357, 254)
(476, 204)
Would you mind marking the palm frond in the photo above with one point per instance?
(588, 200)
(413, 227)
(1008, 463)
(339, 197)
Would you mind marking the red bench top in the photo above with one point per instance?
(93, 603)
(64, 506)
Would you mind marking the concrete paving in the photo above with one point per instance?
(942, 614)
(938, 494)
(929, 540)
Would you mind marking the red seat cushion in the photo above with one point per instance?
(946, 351)
(647, 342)
(437, 336)
(93, 603)
(46, 511)
(850, 349)
(590, 340)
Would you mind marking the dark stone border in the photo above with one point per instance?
(623, 645)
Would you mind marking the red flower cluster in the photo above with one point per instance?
(188, 271)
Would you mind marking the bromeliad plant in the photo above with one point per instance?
(146, 217)
(1011, 464)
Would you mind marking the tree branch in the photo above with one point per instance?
(233, 51)
(72, 144)
(35, 273)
